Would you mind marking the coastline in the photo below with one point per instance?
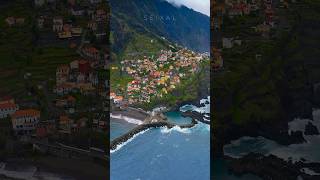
(161, 121)
(268, 167)
(296, 157)
(126, 137)
(130, 113)
(60, 167)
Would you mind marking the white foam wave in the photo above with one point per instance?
(119, 146)
(204, 101)
(295, 152)
(200, 127)
(126, 118)
(203, 109)
(166, 130)
(309, 172)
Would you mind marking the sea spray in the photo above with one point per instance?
(295, 152)
(165, 155)
(309, 172)
(200, 127)
(205, 108)
(166, 130)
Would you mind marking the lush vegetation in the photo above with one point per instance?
(265, 80)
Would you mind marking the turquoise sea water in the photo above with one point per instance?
(168, 154)
(162, 153)
(175, 117)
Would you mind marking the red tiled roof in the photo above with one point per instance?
(83, 61)
(26, 112)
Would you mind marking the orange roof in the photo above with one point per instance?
(26, 112)
(7, 105)
(91, 49)
(119, 98)
(71, 98)
(82, 61)
(64, 119)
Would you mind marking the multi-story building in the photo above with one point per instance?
(7, 108)
(25, 121)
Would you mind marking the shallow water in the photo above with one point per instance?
(175, 117)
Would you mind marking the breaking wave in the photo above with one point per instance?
(295, 152)
(126, 118)
(119, 146)
(205, 108)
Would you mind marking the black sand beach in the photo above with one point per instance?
(64, 167)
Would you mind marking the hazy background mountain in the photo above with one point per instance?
(146, 22)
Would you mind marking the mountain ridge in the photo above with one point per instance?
(158, 19)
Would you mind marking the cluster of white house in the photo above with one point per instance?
(23, 121)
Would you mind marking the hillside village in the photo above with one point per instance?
(76, 101)
(153, 77)
(263, 18)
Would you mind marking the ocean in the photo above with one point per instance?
(162, 153)
(295, 152)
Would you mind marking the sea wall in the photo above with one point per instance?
(143, 127)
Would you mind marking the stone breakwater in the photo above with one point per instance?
(150, 122)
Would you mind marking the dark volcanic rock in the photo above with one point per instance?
(269, 167)
(296, 138)
(195, 115)
(142, 127)
(311, 129)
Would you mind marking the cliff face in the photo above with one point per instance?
(158, 18)
(259, 98)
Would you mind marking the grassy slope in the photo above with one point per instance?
(19, 54)
(249, 91)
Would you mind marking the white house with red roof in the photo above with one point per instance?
(7, 108)
(25, 121)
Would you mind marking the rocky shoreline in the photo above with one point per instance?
(56, 167)
(131, 114)
(268, 167)
(124, 138)
(195, 115)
